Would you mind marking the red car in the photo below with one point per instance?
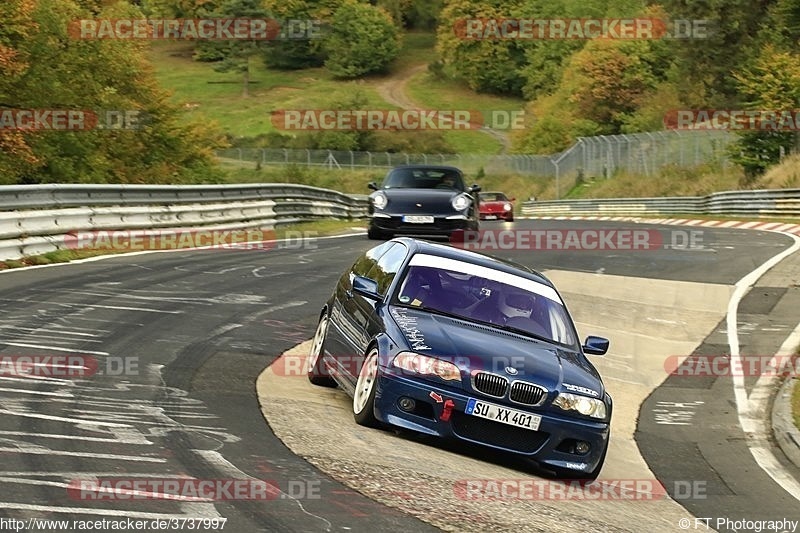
(496, 206)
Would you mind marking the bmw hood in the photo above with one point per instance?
(477, 347)
(419, 201)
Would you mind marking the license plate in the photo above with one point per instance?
(418, 219)
(497, 413)
(491, 217)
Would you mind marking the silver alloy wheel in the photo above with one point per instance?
(366, 381)
(316, 344)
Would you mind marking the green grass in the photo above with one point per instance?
(418, 48)
(206, 94)
(448, 94)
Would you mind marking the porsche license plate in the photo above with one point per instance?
(418, 219)
(491, 217)
(498, 413)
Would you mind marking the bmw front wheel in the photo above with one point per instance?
(364, 397)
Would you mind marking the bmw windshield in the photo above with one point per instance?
(480, 294)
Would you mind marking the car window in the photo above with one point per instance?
(387, 267)
(421, 178)
(364, 264)
(493, 197)
(482, 296)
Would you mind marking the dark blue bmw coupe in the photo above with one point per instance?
(459, 345)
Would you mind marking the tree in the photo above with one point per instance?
(236, 54)
(486, 65)
(363, 40)
(295, 54)
(772, 83)
(63, 72)
(704, 65)
(16, 157)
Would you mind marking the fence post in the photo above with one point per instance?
(558, 193)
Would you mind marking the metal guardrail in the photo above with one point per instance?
(753, 204)
(36, 219)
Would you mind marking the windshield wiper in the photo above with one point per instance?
(523, 332)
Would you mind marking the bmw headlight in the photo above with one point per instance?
(380, 200)
(508, 207)
(427, 366)
(586, 406)
(460, 202)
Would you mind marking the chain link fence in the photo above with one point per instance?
(590, 157)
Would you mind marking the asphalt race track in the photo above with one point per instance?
(180, 337)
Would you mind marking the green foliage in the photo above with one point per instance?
(294, 54)
(704, 65)
(417, 14)
(236, 54)
(772, 83)
(61, 72)
(491, 66)
(363, 40)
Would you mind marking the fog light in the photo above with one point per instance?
(406, 404)
(582, 447)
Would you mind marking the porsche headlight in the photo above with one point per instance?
(508, 207)
(460, 202)
(380, 200)
(586, 406)
(427, 366)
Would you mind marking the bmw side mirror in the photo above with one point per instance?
(366, 287)
(372, 185)
(595, 345)
(475, 188)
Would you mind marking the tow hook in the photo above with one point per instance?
(446, 410)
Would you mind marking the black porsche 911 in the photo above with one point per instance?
(422, 200)
(459, 345)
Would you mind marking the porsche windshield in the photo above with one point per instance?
(422, 178)
(478, 293)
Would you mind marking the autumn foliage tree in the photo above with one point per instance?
(16, 157)
(47, 67)
(771, 84)
(363, 39)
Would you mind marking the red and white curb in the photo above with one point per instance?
(780, 227)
